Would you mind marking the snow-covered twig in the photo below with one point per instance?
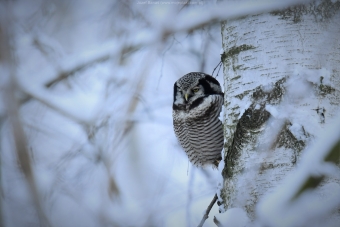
(206, 214)
(18, 133)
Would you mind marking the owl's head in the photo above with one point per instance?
(191, 88)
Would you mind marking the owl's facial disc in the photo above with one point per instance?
(193, 93)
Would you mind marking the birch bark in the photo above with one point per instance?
(282, 80)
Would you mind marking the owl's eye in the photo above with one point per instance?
(196, 89)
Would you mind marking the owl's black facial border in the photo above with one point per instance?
(175, 92)
(208, 90)
(196, 103)
(212, 80)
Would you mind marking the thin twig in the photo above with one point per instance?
(219, 64)
(217, 222)
(206, 215)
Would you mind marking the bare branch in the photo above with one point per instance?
(206, 215)
(217, 222)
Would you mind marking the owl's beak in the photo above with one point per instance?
(186, 96)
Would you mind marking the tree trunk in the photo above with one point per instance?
(281, 73)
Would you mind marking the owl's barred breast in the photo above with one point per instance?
(200, 131)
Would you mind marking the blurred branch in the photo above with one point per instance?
(7, 60)
(22, 152)
(213, 14)
(113, 189)
(49, 47)
(158, 35)
(86, 59)
(82, 64)
(69, 67)
(224, 11)
(189, 199)
(81, 61)
(206, 215)
(1, 190)
(138, 89)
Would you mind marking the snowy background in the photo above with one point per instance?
(94, 81)
(98, 121)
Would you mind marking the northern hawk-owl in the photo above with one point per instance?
(198, 100)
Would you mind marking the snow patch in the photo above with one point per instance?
(244, 105)
(313, 76)
(235, 217)
(268, 88)
(220, 181)
(272, 110)
(297, 131)
(298, 88)
(312, 205)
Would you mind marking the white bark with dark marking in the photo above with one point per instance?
(282, 87)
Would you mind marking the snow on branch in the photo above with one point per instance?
(194, 19)
(296, 197)
(76, 105)
(186, 21)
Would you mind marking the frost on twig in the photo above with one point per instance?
(206, 214)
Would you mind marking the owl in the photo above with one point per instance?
(198, 101)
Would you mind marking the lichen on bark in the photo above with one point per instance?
(265, 57)
(322, 11)
(235, 50)
(288, 140)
